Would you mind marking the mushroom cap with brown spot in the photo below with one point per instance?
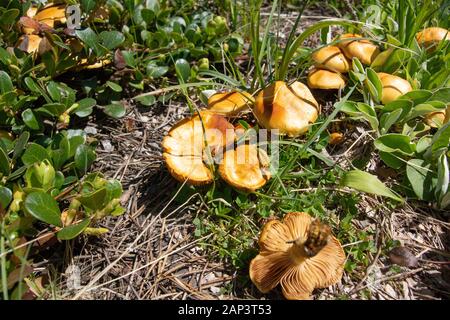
(184, 146)
(325, 79)
(430, 37)
(230, 103)
(393, 87)
(245, 168)
(297, 275)
(365, 50)
(290, 109)
(331, 58)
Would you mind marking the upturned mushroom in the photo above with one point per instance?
(299, 254)
(429, 38)
(191, 142)
(393, 87)
(325, 79)
(438, 118)
(365, 50)
(288, 108)
(331, 58)
(246, 168)
(230, 103)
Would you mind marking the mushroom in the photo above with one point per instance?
(230, 103)
(185, 147)
(245, 168)
(331, 58)
(288, 108)
(430, 37)
(29, 43)
(336, 138)
(55, 14)
(298, 253)
(436, 119)
(324, 79)
(393, 87)
(362, 49)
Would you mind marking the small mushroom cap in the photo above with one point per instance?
(290, 109)
(53, 15)
(325, 79)
(336, 138)
(365, 50)
(245, 168)
(185, 143)
(331, 58)
(298, 275)
(435, 119)
(29, 43)
(230, 103)
(430, 37)
(393, 87)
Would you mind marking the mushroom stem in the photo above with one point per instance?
(297, 252)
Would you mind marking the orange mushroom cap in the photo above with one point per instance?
(245, 168)
(230, 103)
(393, 87)
(288, 108)
(299, 254)
(436, 119)
(430, 37)
(325, 79)
(184, 148)
(331, 58)
(52, 15)
(29, 43)
(365, 50)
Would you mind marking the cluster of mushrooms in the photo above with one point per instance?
(192, 143)
(39, 22)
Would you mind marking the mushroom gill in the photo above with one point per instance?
(298, 253)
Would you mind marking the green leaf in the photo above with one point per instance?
(53, 109)
(89, 37)
(146, 100)
(54, 90)
(183, 69)
(87, 5)
(395, 142)
(5, 167)
(417, 96)
(389, 119)
(115, 110)
(111, 39)
(114, 86)
(421, 178)
(30, 119)
(34, 153)
(443, 177)
(5, 83)
(442, 94)
(32, 85)
(21, 142)
(376, 87)
(43, 207)
(84, 157)
(85, 107)
(155, 71)
(366, 182)
(94, 200)
(72, 231)
(392, 159)
(5, 197)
